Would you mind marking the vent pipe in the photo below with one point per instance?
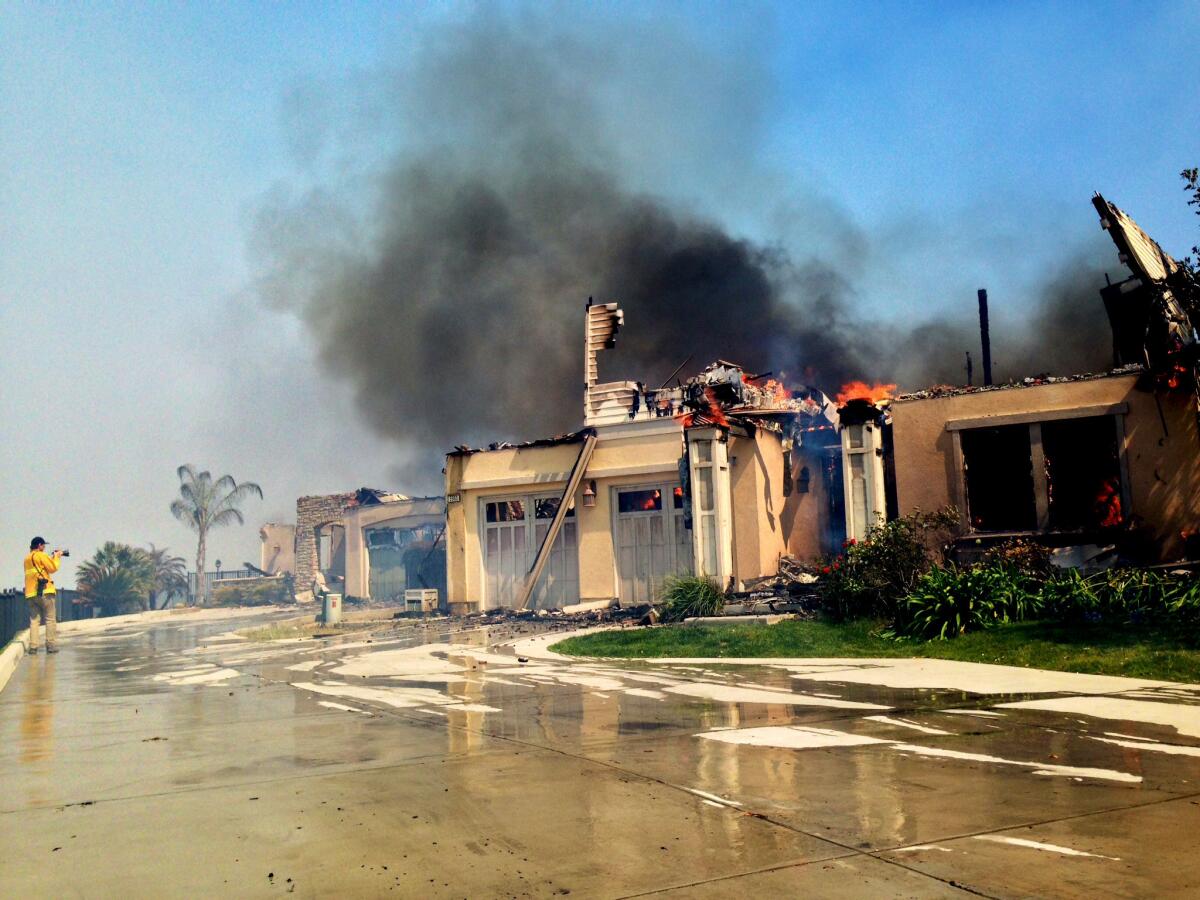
(985, 337)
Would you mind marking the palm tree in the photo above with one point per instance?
(117, 579)
(203, 504)
(170, 574)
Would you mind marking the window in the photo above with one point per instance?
(639, 501)
(1061, 475)
(999, 478)
(506, 511)
(547, 507)
(650, 540)
(1083, 473)
(511, 541)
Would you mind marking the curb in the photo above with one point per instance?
(11, 655)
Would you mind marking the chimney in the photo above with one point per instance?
(985, 337)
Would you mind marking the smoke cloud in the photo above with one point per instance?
(448, 285)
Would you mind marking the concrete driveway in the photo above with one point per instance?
(165, 756)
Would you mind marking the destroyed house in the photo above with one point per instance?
(1111, 459)
(365, 544)
(1077, 460)
(720, 475)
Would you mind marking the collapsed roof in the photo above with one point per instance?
(1155, 313)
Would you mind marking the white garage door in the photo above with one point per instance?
(513, 531)
(651, 540)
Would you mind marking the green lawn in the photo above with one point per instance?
(1100, 649)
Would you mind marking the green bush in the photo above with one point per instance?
(947, 602)
(686, 596)
(1136, 596)
(873, 576)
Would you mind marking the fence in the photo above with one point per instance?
(215, 577)
(14, 615)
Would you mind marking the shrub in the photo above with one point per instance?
(1022, 555)
(873, 576)
(1130, 595)
(947, 602)
(685, 596)
(252, 592)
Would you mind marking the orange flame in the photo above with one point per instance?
(860, 390)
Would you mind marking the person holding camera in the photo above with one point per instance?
(40, 567)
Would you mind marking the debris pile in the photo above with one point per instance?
(952, 390)
(642, 614)
(793, 590)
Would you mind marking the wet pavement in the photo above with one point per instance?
(168, 757)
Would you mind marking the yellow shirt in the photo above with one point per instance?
(39, 564)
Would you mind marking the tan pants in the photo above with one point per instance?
(42, 609)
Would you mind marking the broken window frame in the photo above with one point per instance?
(1041, 487)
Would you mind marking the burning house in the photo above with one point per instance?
(725, 472)
(1108, 459)
(719, 474)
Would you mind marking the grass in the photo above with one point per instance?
(1141, 652)
(280, 631)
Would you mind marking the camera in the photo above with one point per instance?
(66, 553)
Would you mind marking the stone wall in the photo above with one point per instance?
(311, 514)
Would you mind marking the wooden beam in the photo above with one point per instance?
(560, 516)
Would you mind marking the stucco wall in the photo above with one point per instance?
(759, 507)
(1164, 466)
(399, 514)
(638, 454)
(278, 551)
(806, 515)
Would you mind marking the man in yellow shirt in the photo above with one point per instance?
(40, 567)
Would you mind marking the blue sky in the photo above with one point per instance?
(949, 146)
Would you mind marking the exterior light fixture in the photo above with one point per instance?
(589, 494)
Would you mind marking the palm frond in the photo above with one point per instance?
(225, 516)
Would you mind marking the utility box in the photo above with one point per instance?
(421, 600)
(331, 612)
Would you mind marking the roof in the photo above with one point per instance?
(948, 390)
(573, 437)
(1140, 252)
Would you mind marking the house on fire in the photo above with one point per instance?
(728, 471)
(1107, 459)
(720, 474)
(725, 472)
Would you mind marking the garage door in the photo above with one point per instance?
(651, 540)
(513, 531)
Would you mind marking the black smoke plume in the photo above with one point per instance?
(454, 304)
